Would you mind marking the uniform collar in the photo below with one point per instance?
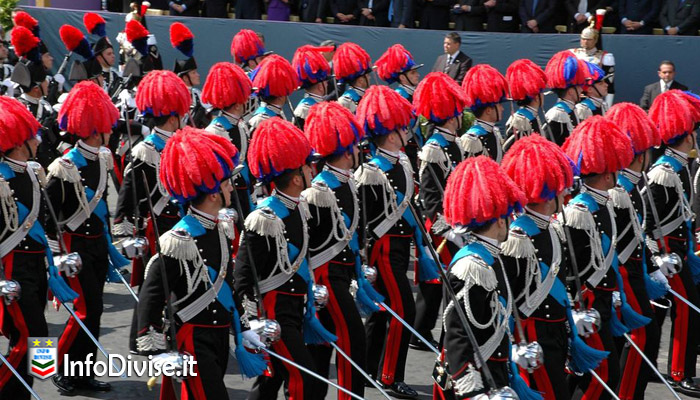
(600, 196)
(30, 99)
(391, 156)
(597, 101)
(541, 220)
(633, 176)
(163, 134)
(276, 109)
(288, 201)
(207, 220)
(408, 88)
(314, 96)
(15, 165)
(533, 110)
(230, 117)
(677, 155)
(359, 91)
(486, 125)
(449, 136)
(87, 151)
(342, 175)
(568, 103)
(492, 245)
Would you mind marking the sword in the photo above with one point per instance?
(651, 365)
(572, 255)
(655, 215)
(410, 328)
(683, 299)
(360, 370)
(604, 385)
(24, 383)
(91, 336)
(128, 286)
(64, 63)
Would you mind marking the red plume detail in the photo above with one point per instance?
(484, 86)
(275, 77)
(277, 146)
(17, 124)
(195, 161)
(70, 36)
(88, 110)
(351, 61)
(539, 167)
(226, 84)
(161, 92)
(439, 98)
(525, 79)
(331, 128)
(179, 33)
(694, 101)
(565, 70)
(633, 121)
(599, 146)
(23, 40)
(382, 111)
(22, 18)
(135, 31)
(92, 23)
(479, 191)
(246, 45)
(395, 60)
(310, 65)
(673, 115)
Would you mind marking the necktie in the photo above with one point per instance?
(448, 61)
(534, 7)
(391, 10)
(666, 87)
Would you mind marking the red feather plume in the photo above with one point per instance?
(672, 114)
(635, 122)
(275, 77)
(179, 32)
(277, 146)
(195, 161)
(22, 18)
(330, 128)
(310, 65)
(694, 101)
(539, 167)
(393, 62)
(351, 61)
(484, 86)
(135, 31)
(598, 146)
(565, 70)
(479, 191)
(226, 84)
(382, 111)
(246, 45)
(161, 92)
(17, 124)
(439, 98)
(87, 111)
(23, 40)
(525, 79)
(70, 36)
(92, 21)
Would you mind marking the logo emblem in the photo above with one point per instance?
(43, 356)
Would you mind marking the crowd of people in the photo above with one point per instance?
(548, 254)
(673, 17)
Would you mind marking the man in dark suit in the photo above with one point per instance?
(579, 11)
(374, 12)
(667, 73)
(184, 8)
(435, 14)
(537, 16)
(401, 15)
(454, 62)
(215, 9)
(502, 16)
(680, 17)
(470, 15)
(638, 16)
(345, 12)
(313, 10)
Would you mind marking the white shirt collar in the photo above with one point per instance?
(493, 242)
(162, 132)
(539, 216)
(289, 201)
(663, 84)
(31, 99)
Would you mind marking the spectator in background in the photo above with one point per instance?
(249, 9)
(313, 10)
(638, 16)
(215, 8)
(401, 14)
(279, 10)
(680, 17)
(667, 75)
(374, 12)
(345, 12)
(470, 15)
(537, 16)
(184, 8)
(579, 11)
(454, 62)
(501, 15)
(435, 14)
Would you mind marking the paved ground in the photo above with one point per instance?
(114, 336)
